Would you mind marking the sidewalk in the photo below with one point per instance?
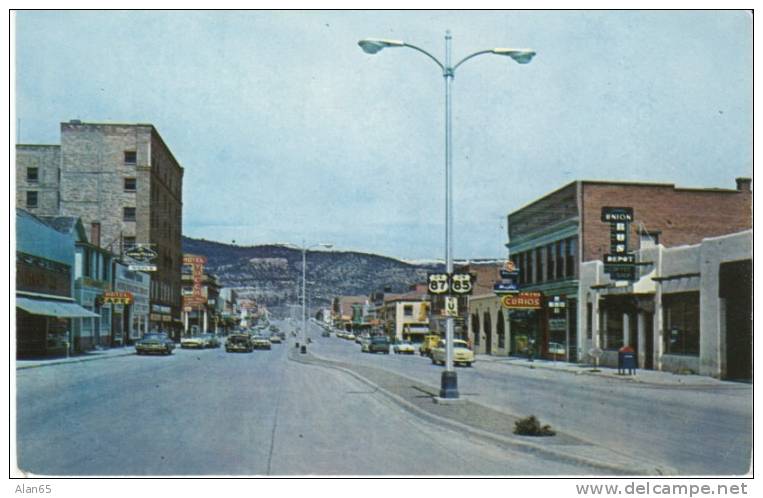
(96, 354)
(651, 377)
(487, 424)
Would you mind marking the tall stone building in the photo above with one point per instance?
(37, 179)
(126, 186)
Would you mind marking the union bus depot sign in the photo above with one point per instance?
(522, 301)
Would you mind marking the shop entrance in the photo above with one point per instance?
(649, 341)
(525, 330)
(488, 329)
(736, 289)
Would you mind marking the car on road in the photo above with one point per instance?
(349, 336)
(461, 353)
(238, 342)
(429, 342)
(325, 333)
(155, 343)
(364, 345)
(403, 347)
(211, 341)
(261, 342)
(379, 344)
(196, 341)
(275, 339)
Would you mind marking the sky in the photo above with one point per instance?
(289, 133)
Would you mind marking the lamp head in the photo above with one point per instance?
(520, 55)
(373, 45)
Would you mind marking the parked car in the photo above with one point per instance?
(193, 342)
(429, 342)
(238, 342)
(461, 353)
(379, 344)
(275, 339)
(555, 348)
(364, 345)
(325, 333)
(349, 336)
(261, 342)
(155, 343)
(212, 341)
(403, 347)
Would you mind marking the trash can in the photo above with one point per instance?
(626, 360)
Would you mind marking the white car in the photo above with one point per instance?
(403, 347)
(555, 348)
(461, 353)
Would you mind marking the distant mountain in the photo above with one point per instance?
(272, 274)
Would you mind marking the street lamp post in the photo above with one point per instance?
(449, 380)
(303, 346)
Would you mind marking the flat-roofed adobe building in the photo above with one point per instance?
(551, 237)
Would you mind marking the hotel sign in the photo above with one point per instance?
(523, 300)
(117, 297)
(197, 272)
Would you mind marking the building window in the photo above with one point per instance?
(648, 239)
(681, 318)
(570, 259)
(550, 262)
(131, 157)
(408, 310)
(559, 259)
(500, 324)
(32, 175)
(539, 269)
(31, 199)
(131, 184)
(128, 214)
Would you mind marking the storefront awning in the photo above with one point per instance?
(49, 307)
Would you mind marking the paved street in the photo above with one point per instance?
(214, 413)
(695, 429)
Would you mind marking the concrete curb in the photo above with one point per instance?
(73, 360)
(492, 437)
(604, 375)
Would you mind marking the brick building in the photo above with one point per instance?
(551, 237)
(125, 185)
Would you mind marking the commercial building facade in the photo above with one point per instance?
(125, 185)
(690, 311)
(552, 237)
(46, 312)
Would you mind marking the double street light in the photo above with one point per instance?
(449, 381)
(304, 248)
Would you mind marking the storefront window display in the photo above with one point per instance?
(681, 319)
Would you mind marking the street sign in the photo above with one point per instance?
(142, 267)
(461, 283)
(557, 304)
(615, 214)
(522, 300)
(505, 288)
(438, 283)
(451, 306)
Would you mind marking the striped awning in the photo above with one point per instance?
(48, 307)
